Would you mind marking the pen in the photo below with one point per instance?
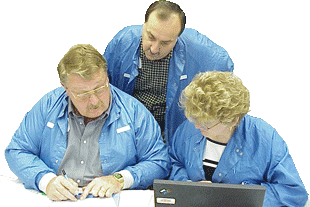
(65, 174)
(76, 195)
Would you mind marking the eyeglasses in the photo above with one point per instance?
(208, 128)
(98, 92)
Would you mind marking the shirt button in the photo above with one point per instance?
(78, 181)
(220, 174)
(84, 141)
(82, 162)
(56, 161)
(241, 153)
(237, 150)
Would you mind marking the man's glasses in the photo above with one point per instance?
(98, 92)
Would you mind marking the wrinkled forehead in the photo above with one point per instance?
(80, 83)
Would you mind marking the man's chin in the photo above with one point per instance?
(94, 113)
(153, 57)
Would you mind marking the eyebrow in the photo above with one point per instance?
(98, 85)
(152, 36)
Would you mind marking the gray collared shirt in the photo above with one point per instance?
(82, 158)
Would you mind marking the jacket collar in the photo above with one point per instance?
(115, 107)
(232, 154)
(62, 119)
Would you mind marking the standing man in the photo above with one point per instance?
(104, 139)
(156, 61)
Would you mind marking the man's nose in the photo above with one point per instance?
(93, 99)
(155, 47)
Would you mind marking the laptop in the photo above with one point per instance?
(170, 193)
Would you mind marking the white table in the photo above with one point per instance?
(13, 192)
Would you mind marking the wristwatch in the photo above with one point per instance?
(119, 179)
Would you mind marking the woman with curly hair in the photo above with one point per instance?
(220, 143)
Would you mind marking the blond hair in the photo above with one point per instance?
(81, 59)
(215, 96)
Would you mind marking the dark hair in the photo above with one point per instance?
(166, 8)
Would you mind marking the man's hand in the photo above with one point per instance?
(60, 189)
(103, 187)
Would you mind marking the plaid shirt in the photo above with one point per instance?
(151, 85)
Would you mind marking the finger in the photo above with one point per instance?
(53, 197)
(110, 192)
(102, 192)
(59, 196)
(96, 189)
(87, 190)
(66, 193)
(76, 187)
(73, 183)
(69, 184)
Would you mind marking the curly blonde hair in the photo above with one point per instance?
(215, 96)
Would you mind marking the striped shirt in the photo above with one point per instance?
(212, 155)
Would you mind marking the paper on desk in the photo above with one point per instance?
(137, 198)
(117, 197)
(106, 202)
(13, 192)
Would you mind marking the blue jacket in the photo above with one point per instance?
(39, 144)
(255, 155)
(193, 53)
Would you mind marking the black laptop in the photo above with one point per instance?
(170, 193)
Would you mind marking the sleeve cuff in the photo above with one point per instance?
(45, 180)
(128, 179)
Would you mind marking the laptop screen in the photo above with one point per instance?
(186, 194)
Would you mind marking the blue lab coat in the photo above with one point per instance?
(130, 140)
(193, 53)
(255, 155)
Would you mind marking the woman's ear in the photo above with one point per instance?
(235, 122)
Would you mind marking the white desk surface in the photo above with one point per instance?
(13, 192)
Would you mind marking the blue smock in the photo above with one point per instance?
(193, 53)
(255, 155)
(129, 140)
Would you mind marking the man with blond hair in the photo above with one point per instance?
(100, 137)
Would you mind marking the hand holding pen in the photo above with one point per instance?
(62, 188)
